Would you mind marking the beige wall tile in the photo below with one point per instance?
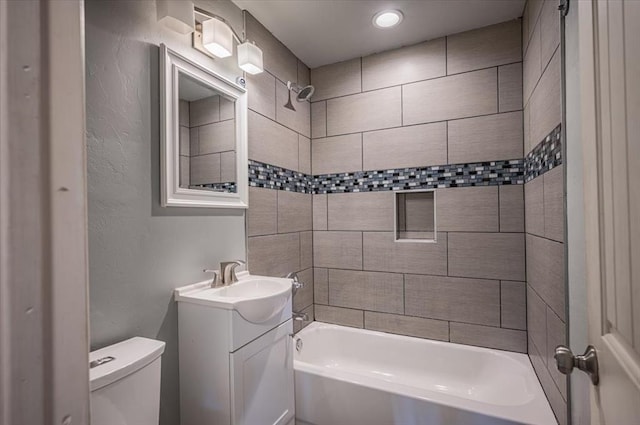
(304, 296)
(531, 66)
(405, 65)
(262, 215)
(338, 79)
(217, 137)
(534, 206)
(510, 87)
(294, 212)
(405, 325)
(361, 211)
(484, 47)
(272, 143)
(558, 404)
(381, 253)
(458, 96)
(549, 30)
(185, 142)
(262, 94)
(320, 215)
(487, 255)
(205, 169)
(527, 133)
(183, 113)
(513, 305)
(530, 18)
(340, 250)
(194, 145)
(511, 208)
(366, 290)
(412, 146)
(337, 154)
(546, 103)
(556, 335)
(184, 171)
(304, 154)
(364, 111)
(227, 109)
(486, 336)
(454, 299)
(319, 119)
(228, 167)
(487, 138)
(298, 120)
(416, 213)
(304, 74)
(536, 321)
(339, 316)
(274, 255)
(467, 209)
(545, 271)
(278, 60)
(204, 111)
(320, 286)
(554, 204)
(306, 249)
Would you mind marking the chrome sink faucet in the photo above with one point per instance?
(227, 273)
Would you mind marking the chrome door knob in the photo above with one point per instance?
(588, 362)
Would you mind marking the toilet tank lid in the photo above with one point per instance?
(128, 357)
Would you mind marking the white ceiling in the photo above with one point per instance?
(321, 32)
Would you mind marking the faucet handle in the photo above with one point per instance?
(296, 284)
(216, 277)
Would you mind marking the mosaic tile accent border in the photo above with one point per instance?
(542, 158)
(274, 177)
(217, 187)
(545, 156)
(439, 176)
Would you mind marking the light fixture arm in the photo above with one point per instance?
(220, 18)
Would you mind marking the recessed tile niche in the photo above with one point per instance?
(415, 216)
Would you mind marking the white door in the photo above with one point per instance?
(262, 380)
(610, 89)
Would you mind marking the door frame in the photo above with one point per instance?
(44, 335)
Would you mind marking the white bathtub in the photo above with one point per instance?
(347, 376)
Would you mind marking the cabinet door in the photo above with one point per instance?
(262, 380)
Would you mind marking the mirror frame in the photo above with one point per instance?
(172, 195)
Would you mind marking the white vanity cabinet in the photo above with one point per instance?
(232, 371)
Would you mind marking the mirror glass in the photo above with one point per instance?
(204, 136)
(207, 137)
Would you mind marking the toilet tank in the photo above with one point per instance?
(125, 383)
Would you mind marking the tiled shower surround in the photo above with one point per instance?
(544, 198)
(446, 114)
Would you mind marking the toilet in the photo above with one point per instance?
(125, 383)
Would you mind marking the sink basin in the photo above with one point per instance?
(256, 298)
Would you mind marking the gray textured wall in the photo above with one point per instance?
(139, 251)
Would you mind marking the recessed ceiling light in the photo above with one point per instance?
(387, 18)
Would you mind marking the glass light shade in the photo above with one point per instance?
(217, 38)
(250, 58)
(176, 15)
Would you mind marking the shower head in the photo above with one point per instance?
(302, 93)
(305, 93)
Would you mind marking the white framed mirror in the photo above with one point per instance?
(203, 136)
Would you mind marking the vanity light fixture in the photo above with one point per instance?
(250, 58)
(387, 18)
(176, 15)
(217, 37)
(214, 37)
